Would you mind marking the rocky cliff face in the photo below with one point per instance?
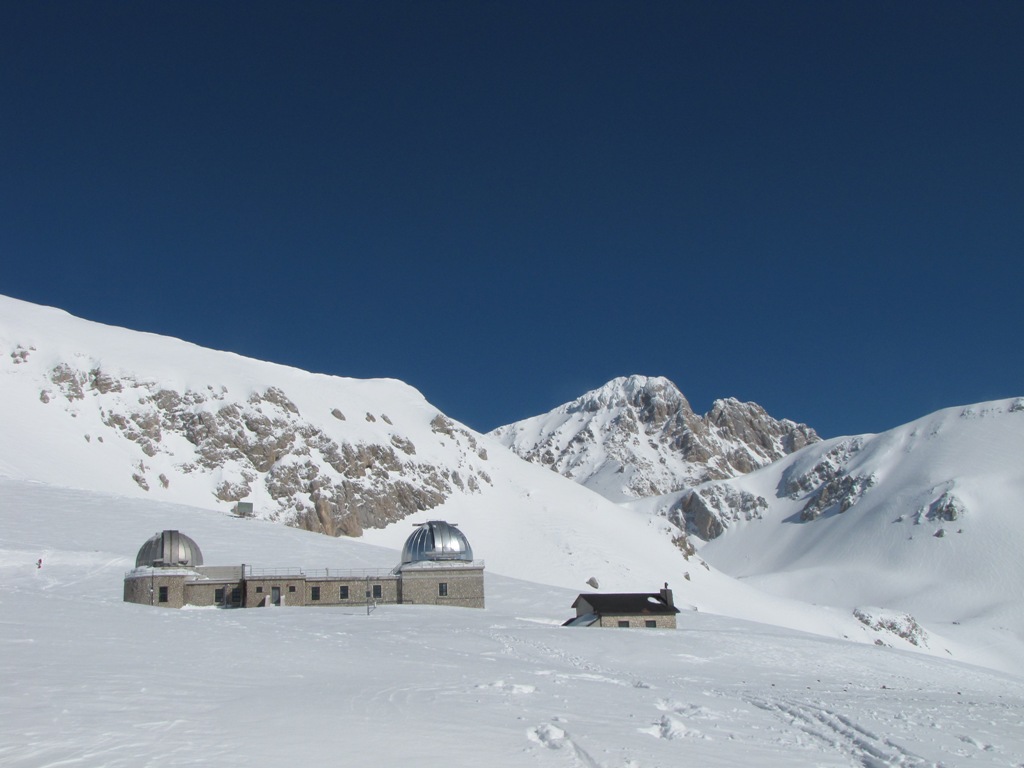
(638, 436)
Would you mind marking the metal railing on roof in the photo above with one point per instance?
(317, 573)
(343, 573)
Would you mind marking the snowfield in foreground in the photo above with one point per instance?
(90, 680)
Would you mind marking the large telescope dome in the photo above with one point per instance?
(169, 549)
(436, 540)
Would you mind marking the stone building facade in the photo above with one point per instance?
(432, 584)
(437, 568)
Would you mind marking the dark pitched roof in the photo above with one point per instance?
(626, 603)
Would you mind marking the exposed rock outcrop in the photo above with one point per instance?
(947, 508)
(261, 444)
(827, 486)
(794, 483)
(895, 623)
(840, 493)
(707, 511)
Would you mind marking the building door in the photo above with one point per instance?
(275, 595)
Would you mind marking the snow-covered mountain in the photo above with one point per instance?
(921, 524)
(105, 409)
(914, 532)
(157, 420)
(637, 436)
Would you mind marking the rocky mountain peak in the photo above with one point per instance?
(638, 436)
(654, 396)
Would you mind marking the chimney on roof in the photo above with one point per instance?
(666, 596)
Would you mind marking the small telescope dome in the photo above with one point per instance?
(169, 549)
(436, 540)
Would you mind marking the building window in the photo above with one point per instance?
(377, 591)
(163, 594)
(343, 593)
(623, 623)
(442, 589)
(259, 590)
(236, 596)
(650, 623)
(315, 593)
(291, 588)
(218, 596)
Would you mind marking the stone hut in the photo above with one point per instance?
(655, 610)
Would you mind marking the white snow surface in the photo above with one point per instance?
(90, 680)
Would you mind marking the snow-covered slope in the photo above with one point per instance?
(637, 436)
(92, 406)
(90, 680)
(925, 519)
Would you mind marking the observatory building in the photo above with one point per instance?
(437, 568)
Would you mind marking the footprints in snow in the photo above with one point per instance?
(502, 686)
(551, 736)
(672, 726)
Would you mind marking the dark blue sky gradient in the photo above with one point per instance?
(815, 206)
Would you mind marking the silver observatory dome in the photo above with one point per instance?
(169, 549)
(436, 540)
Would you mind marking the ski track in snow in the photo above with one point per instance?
(842, 734)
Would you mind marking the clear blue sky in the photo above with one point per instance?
(817, 206)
